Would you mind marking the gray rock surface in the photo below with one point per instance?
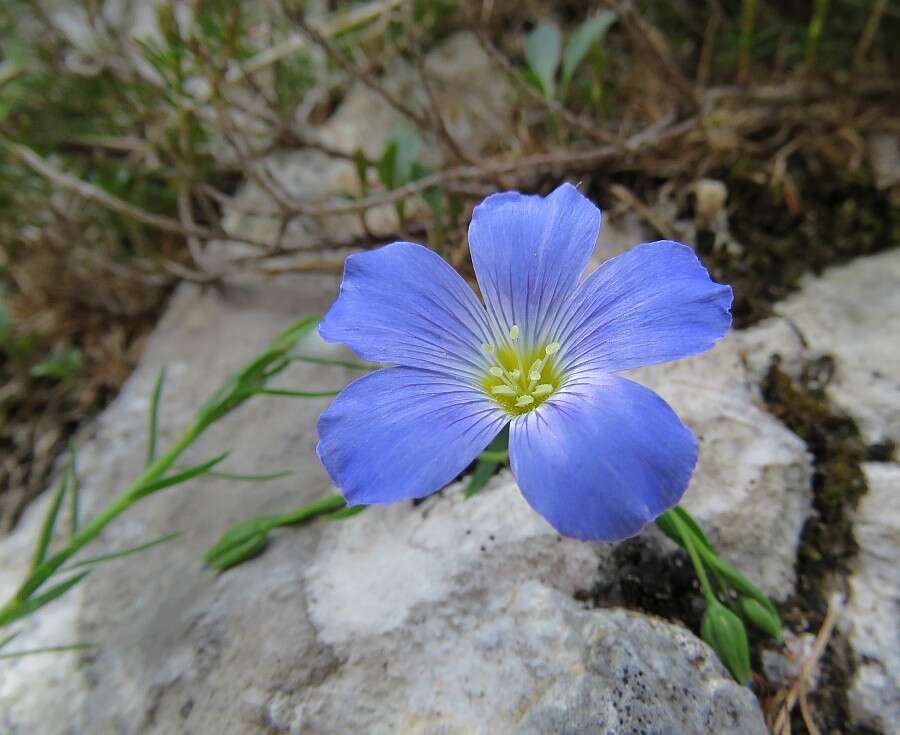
(852, 313)
(872, 615)
(454, 616)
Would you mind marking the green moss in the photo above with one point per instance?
(827, 546)
(826, 219)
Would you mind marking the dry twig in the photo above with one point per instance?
(785, 699)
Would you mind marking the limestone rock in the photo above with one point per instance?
(872, 614)
(852, 313)
(450, 616)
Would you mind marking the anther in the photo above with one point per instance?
(544, 389)
(514, 332)
(496, 372)
(487, 348)
(503, 390)
(514, 374)
(551, 349)
(524, 401)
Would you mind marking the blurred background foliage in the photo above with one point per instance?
(121, 152)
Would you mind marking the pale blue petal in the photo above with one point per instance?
(602, 458)
(652, 304)
(404, 433)
(529, 253)
(403, 304)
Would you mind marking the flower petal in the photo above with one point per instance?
(652, 304)
(403, 304)
(529, 252)
(602, 458)
(403, 433)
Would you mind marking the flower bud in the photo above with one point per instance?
(760, 616)
(239, 543)
(725, 633)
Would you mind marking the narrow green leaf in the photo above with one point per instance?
(33, 604)
(125, 552)
(694, 527)
(581, 40)
(310, 511)
(738, 581)
(494, 456)
(339, 363)
(386, 165)
(152, 431)
(484, 471)
(74, 491)
(409, 148)
(667, 523)
(180, 477)
(340, 515)
(542, 52)
(49, 649)
(295, 393)
(9, 639)
(251, 478)
(46, 535)
(240, 386)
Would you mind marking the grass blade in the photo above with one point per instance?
(73, 493)
(496, 453)
(338, 363)
(49, 649)
(295, 393)
(180, 477)
(43, 544)
(152, 432)
(35, 603)
(9, 639)
(251, 478)
(125, 552)
(343, 513)
(484, 471)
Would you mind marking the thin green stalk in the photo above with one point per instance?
(93, 529)
(748, 21)
(295, 393)
(814, 32)
(492, 456)
(328, 361)
(688, 539)
(328, 504)
(153, 420)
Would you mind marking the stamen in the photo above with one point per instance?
(544, 389)
(496, 372)
(514, 374)
(514, 332)
(487, 348)
(551, 349)
(503, 390)
(524, 401)
(534, 372)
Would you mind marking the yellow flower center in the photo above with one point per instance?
(520, 381)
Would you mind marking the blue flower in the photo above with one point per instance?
(594, 453)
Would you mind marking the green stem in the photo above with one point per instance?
(93, 529)
(328, 504)
(688, 539)
(492, 456)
